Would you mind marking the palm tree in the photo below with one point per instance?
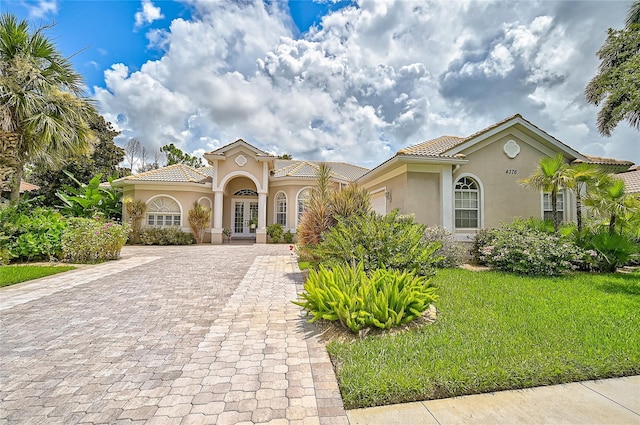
(43, 114)
(581, 176)
(611, 201)
(550, 176)
(317, 216)
(633, 17)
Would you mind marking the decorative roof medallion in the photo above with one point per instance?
(241, 160)
(511, 148)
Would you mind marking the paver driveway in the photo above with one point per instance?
(195, 334)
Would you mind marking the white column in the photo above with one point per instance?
(261, 233)
(446, 197)
(216, 232)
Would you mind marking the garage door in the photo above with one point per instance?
(379, 203)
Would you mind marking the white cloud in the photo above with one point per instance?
(370, 80)
(148, 14)
(42, 8)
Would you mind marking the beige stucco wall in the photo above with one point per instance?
(503, 195)
(252, 166)
(291, 189)
(184, 198)
(423, 197)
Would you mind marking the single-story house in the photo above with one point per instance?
(460, 183)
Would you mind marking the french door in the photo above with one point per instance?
(244, 213)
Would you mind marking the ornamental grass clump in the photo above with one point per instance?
(87, 240)
(383, 299)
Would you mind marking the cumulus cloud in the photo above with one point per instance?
(41, 8)
(372, 78)
(148, 14)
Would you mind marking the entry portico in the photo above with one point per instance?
(240, 166)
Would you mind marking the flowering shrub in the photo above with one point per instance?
(87, 240)
(450, 252)
(525, 251)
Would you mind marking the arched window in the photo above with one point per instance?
(281, 209)
(163, 212)
(303, 195)
(467, 204)
(246, 192)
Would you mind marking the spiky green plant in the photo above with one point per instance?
(199, 217)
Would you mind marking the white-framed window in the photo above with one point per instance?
(163, 211)
(467, 204)
(547, 211)
(281, 209)
(303, 196)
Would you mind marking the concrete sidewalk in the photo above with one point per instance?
(604, 402)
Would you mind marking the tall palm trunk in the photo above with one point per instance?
(554, 210)
(579, 209)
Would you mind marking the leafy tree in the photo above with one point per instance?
(615, 87)
(104, 160)
(176, 156)
(285, 156)
(550, 176)
(43, 114)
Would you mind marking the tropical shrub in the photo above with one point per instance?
(28, 234)
(275, 232)
(288, 237)
(450, 253)
(383, 299)
(518, 249)
(606, 251)
(199, 218)
(87, 240)
(135, 211)
(91, 199)
(391, 241)
(165, 236)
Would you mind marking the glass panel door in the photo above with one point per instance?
(238, 218)
(253, 217)
(245, 217)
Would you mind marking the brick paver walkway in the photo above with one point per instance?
(167, 335)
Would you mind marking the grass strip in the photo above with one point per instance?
(10, 275)
(497, 331)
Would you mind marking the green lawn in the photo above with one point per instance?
(16, 274)
(497, 331)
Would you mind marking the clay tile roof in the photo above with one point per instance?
(607, 161)
(339, 170)
(434, 147)
(180, 173)
(27, 187)
(631, 180)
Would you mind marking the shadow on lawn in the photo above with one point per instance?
(620, 283)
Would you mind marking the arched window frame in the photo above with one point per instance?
(300, 204)
(280, 213)
(158, 218)
(460, 207)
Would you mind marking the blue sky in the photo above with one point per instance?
(352, 81)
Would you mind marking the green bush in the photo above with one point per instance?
(87, 240)
(606, 252)
(391, 241)
(28, 234)
(275, 232)
(288, 237)
(524, 250)
(450, 253)
(385, 299)
(165, 236)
